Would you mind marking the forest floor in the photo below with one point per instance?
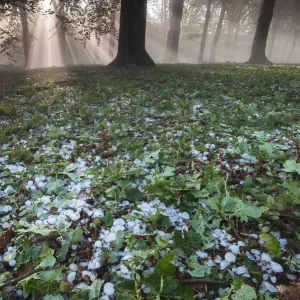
(176, 182)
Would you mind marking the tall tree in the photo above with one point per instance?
(176, 8)
(132, 36)
(204, 33)
(258, 51)
(26, 34)
(218, 31)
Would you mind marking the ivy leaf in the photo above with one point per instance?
(76, 237)
(271, 243)
(52, 275)
(62, 252)
(199, 271)
(164, 266)
(55, 186)
(168, 172)
(293, 187)
(42, 230)
(55, 297)
(119, 240)
(48, 261)
(95, 289)
(246, 292)
(291, 166)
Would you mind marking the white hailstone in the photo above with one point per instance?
(71, 277)
(230, 257)
(124, 269)
(147, 290)
(9, 190)
(271, 288)
(273, 279)
(277, 268)
(266, 257)
(6, 208)
(110, 238)
(185, 215)
(291, 276)
(28, 203)
(119, 228)
(241, 244)
(265, 277)
(201, 254)
(12, 262)
(98, 244)
(52, 220)
(108, 289)
(240, 270)
(80, 285)
(19, 293)
(74, 247)
(234, 249)
(73, 267)
(224, 264)
(98, 213)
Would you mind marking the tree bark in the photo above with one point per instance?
(112, 39)
(132, 36)
(26, 35)
(218, 32)
(204, 33)
(174, 31)
(258, 52)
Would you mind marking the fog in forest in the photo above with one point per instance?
(49, 44)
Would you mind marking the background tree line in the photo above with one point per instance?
(173, 30)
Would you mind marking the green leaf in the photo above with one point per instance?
(55, 186)
(48, 261)
(55, 297)
(291, 166)
(293, 187)
(42, 230)
(246, 292)
(164, 266)
(95, 289)
(119, 240)
(168, 172)
(271, 243)
(52, 275)
(198, 271)
(62, 252)
(77, 234)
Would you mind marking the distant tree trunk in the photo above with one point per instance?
(218, 32)
(293, 46)
(112, 39)
(132, 36)
(258, 52)
(26, 35)
(174, 31)
(204, 33)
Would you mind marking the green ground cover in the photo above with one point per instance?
(177, 182)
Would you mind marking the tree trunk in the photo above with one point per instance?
(204, 33)
(218, 32)
(112, 39)
(293, 46)
(132, 39)
(174, 31)
(258, 52)
(26, 35)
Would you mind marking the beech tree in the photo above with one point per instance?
(218, 31)
(204, 33)
(258, 52)
(176, 7)
(132, 35)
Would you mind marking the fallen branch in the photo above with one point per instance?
(20, 278)
(202, 281)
